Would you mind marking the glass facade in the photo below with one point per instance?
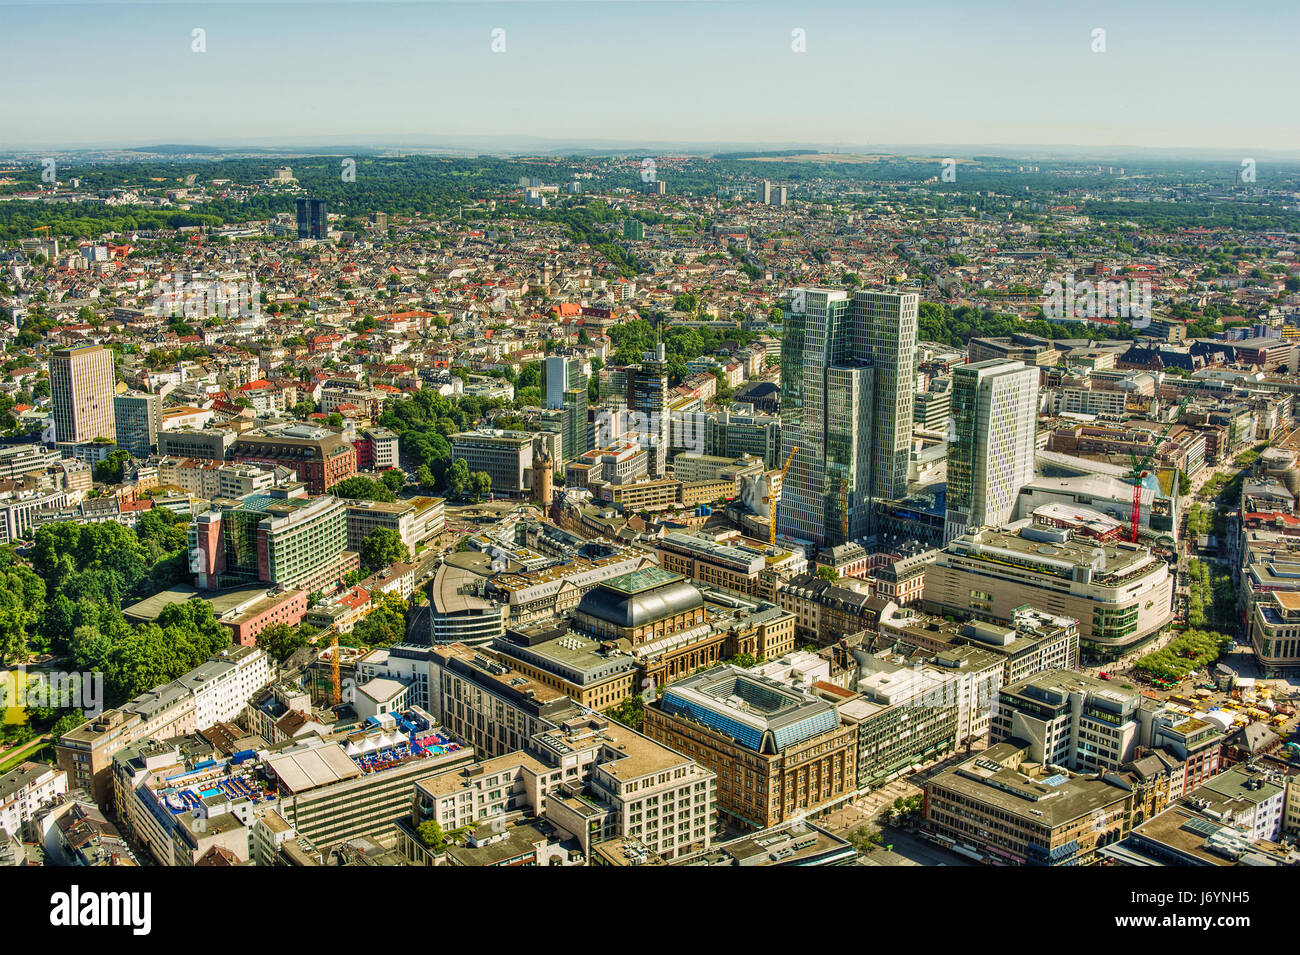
(848, 380)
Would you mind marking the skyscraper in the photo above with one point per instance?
(81, 393)
(564, 388)
(312, 219)
(991, 442)
(888, 322)
(847, 383)
(647, 405)
(138, 419)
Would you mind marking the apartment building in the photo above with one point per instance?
(24, 791)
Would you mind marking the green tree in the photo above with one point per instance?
(457, 478)
(394, 479)
(109, 470)
(281, 640)
(360, 488)
(382, 547)
(385, 624)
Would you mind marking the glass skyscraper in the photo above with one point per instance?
(848, 367)
(991, 442)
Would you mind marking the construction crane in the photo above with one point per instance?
(43, 228)
(336, 682)
(1139, 470)
(774, 496)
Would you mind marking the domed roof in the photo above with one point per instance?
(641, 597)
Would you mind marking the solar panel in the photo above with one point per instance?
(1202, 827)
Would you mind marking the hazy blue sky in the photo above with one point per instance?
(1206, 74)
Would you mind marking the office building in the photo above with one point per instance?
(366, 517)
(1066, 718)
(994, 410)
(191, 443)
(507, 457)
(564, 389)
(81, 394)
(648, 407)
(312, 219)
(1120, 593)
(1000, 807)
(848, 371)
(273, 539)
(138, 420)
(779, 752)
(320, 455)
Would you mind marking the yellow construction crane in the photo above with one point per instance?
(43, 228)
(336, 683)
(775, 496)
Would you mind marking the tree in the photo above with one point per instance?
(480, 486)
(631, 712)
(361, 488)
(65, 724)
(281, 640)
(457, 478)
(431, 835)
(22, 606)
(827, 573)
(383, 546)
(424, 476)
(109, 470)
(394, 479)
(385, 624)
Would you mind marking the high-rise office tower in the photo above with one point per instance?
(764, 192)
(991, 442)
(313, 222)
(555, 379)
(647, 405)
(81, 393)
(887, 320)
(564, 388)
(847, 382)
(138, 419)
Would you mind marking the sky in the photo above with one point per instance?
(1190, 74)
